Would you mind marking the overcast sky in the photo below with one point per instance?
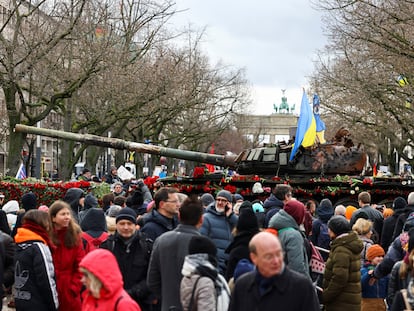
(275, 41)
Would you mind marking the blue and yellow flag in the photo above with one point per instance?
(306, 130)
(320, 125)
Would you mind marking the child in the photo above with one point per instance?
(373, 295)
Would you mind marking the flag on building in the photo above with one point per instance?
(306, 130)
(21, 173)
(320, 125)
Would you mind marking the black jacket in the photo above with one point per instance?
(388, 229)
(401, 220)
(237, 250)
(133, 260)
(287, 291)
(156, 224)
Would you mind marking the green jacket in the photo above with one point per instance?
(342, 278)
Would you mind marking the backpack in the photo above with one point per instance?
(323, 239)
(90, 243)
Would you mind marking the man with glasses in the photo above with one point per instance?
(219, 221)
(272, 283)
(164, 215)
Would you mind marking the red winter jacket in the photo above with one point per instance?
(102, 263)
(68, 276)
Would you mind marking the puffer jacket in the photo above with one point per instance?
(292, 242)
(218, 227)
(342, 277)
(104, 266)
(204, 298)
(156, 224)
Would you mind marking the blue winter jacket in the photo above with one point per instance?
(378, 289)
(218, 227)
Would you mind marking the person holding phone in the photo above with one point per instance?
(218, 224)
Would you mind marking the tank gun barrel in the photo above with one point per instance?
(116, 143)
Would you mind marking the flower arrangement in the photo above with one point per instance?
(48, 192)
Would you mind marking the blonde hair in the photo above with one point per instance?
(362, 226)
(95, 284)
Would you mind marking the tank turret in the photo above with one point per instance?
(339, 157)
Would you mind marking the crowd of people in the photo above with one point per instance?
(164, 250)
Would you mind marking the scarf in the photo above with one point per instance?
(199, 264)
(38, 229)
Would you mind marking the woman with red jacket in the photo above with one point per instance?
(104, 286)
(66, 235)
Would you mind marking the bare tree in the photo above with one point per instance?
(358, 73)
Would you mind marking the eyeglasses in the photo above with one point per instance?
(172, 201)
(221, 200)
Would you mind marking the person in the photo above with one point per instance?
(112, 177)
(132, 250)
(66, 235)
(363, 228)
(107, 201)
(34, 271)
(364, 201)
(164, 273)
(7, 252)
(218, 223)
(4, 224)
(110, 217)
(89, 202)
(401, 272)
(404, 299)
(310, 209)
(11, 208)
(373, 295)
(349, 211)
(272, 284)
(93, 228)
(29, 201)
(164, 217)
(238, 249)
(342, 277)
(86, 175)
(287, 222)
(118, 189)
(202, 288)
(75, 197)
(280, 195)
(136, 201)
(206, 199)
(103, 282)
(2, 196)
(320, 236)
(398, 205)
(409, 208)
(340, 210)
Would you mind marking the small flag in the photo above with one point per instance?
(210, 167)
(21, 173)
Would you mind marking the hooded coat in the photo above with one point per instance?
(342, 277)
(104, 266)
(72, 197)
(218, 227)
(292, 242)
(94, 228)
(35, 274)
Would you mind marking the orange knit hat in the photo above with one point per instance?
(349, 211)
(387, 212)
(373, 251)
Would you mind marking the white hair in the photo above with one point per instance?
(410, 199)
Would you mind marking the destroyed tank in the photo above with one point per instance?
(341, 157)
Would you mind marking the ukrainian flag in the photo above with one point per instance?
(320, 125)
(306, 130)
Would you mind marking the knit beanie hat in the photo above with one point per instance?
(200, 244)
(247, 221)
(237, 197)
(245, 205)
(29, 201)
(243, 266)
(225, 194)
(206, 199)
(399, 203)
(373, 251)
(349, 211)
(127, 214)
(296, 209)
(339, 225)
